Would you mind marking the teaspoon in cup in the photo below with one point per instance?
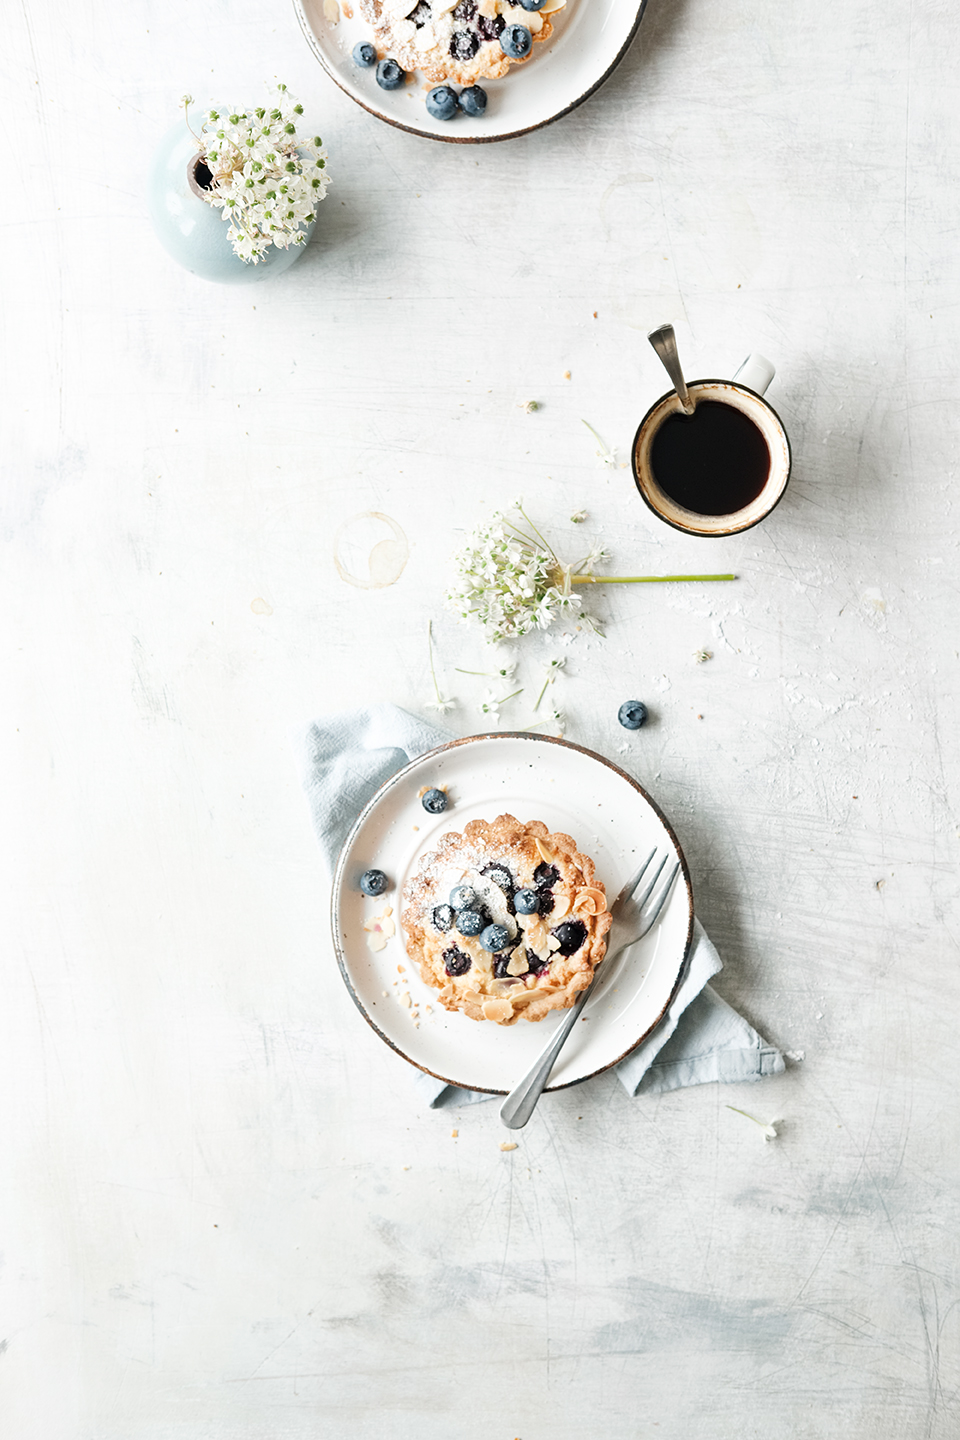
(664, 341)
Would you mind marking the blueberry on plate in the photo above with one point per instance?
(442, 102)
(389, 75)
(373, 882)
(463, 897)
(470, 922)
(515, 41)
(434, 801)
(473, 100)
(527, 902)
(632, 714)
(495, 938)
(364, 55)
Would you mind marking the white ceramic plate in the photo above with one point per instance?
(534, 778)
(590, 38)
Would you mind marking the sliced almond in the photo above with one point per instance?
(517, 964)
(497, 1009)
(331, 11)
(590, 900)
(546, 854)
(561, 907)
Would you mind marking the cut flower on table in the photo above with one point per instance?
(511, 580)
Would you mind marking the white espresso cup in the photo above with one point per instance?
(715, 472)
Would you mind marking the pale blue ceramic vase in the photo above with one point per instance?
(191, 229)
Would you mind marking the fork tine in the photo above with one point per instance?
(650, 919)
(642, 899)
(631, 885)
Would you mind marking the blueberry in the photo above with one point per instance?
(545, 876)
(389, 75)
(527, 902)
(463, 897)
(532, 4)
(470, 922)
(465, 10)
(632, 714)
(464, 45)
(537, 965)
(495, 938)
(500, 876)
(373, 882)
(571, 935)
(515, 41)
(473, 100)
(455, 962)
(443, 917)
(364, 54)
(490, 29)
(434, 802)
(442, 104)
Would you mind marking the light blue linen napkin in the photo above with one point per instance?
(346, 757)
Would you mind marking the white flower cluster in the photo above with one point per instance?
(268, 179)
(511, 582)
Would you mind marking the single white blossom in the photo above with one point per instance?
(605, 455)
(769, 1131)
(440, 703)
(552, 669)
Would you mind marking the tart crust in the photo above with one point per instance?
(425, 46)
(480, 991)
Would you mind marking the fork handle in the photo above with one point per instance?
(522, 1100)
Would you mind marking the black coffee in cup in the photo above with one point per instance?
(713, 462)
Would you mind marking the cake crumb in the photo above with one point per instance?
(454, 1134)
(379, 929)
(508, 1145)
(405, 999)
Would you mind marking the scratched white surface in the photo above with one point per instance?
(223, 1212)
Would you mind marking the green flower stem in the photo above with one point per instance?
(640, 579)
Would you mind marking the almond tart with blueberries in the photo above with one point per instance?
(506, 921)
(459, 40)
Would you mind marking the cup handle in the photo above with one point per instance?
(756, 372)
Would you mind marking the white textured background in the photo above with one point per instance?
(208, 1228)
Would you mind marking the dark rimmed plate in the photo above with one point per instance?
(590, 38)
(534, 778)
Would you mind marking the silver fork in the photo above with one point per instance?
(633, 916)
